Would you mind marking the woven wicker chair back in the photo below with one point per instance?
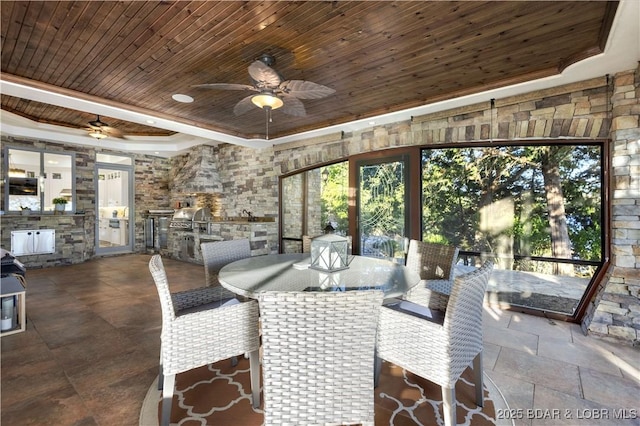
(463, 318)
(432, 261)
(318, 356)
(156, 267)
(217, 254)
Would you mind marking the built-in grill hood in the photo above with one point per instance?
(198, 173)
(186, 218)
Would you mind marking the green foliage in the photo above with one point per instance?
(60, 200)
(459, 184)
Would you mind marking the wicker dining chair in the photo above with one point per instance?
(435, 264)
(203, 334)
(217, 254)
(439, 350)
(318, 356)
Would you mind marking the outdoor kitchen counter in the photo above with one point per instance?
(185, 244)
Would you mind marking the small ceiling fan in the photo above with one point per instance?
(100, 130)
(273, 91)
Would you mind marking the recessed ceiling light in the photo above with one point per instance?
(151, 122)
(182, 98)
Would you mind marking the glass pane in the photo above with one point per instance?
(58, 180)
(113, 207)
(113, 159)
(25, 185)
(311, 200)
(382, 210)
(527, 206)
(335, 197)
(292, 200)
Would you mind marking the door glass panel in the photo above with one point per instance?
(381, 210)
(113, 208)
(313, 200)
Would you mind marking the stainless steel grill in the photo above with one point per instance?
(188, 217)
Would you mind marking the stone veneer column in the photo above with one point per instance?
(615, 309)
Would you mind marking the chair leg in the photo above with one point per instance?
(449, 405)
(477, 372)
(167, 398)
(254, 365)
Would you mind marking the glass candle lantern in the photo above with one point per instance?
(329, 253)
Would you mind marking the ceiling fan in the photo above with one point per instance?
(100, 130)
(273, 91)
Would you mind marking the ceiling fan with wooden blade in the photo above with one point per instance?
(99, 129)
(273, 91)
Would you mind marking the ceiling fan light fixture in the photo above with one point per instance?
(263, 100)
(97, 134)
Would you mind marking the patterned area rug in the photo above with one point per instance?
(220, 394)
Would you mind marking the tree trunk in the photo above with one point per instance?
(560, 242)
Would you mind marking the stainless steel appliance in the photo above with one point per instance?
(190, 217)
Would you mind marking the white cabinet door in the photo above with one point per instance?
(37, 241)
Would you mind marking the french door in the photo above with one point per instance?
(381, 208)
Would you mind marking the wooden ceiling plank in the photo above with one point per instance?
(27, 17)
(93, 61)
(162, 57)
(135, 76)
(108, 43)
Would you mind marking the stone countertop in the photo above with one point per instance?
(242, 220)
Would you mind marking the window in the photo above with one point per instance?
(536, 208)
(35, 178)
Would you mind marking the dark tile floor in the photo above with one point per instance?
(92, 343)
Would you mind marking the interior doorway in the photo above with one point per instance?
(114, 215)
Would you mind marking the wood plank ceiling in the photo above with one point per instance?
(379, 57)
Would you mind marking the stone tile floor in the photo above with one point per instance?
(90, 353)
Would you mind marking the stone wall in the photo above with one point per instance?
(615, 309)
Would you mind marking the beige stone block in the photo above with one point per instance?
(598, 328)
(524, 106)
(624, 122)
(581, 127)
(543, 113)
(624, 78)
(611, 307)
(539, 128)
(626, 333)
(618, 289)
(595, 129)
(565, 111)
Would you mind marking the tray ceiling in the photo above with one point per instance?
(380, 57)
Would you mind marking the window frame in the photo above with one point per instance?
(41, 175)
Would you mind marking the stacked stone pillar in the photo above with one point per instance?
(615, 309)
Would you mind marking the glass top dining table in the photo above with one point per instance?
(291, 272)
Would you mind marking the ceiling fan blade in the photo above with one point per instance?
(292, 106)
(244, 105)
(263, 75)
(225, 86)
(302, 89)
(112, 131)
